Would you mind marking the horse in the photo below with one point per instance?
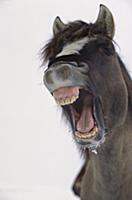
(89, 81)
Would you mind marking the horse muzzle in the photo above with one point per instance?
(63, 74)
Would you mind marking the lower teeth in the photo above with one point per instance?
(88, 135)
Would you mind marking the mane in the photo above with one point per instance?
(127, 78)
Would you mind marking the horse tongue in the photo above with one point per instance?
(86, 121)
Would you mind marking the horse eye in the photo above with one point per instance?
(84, 65)
(73, 63)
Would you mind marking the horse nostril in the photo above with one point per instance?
(54, 75)
(48, 77)
(64, 72)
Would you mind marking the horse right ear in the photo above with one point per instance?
(105, 21)
(58, 25)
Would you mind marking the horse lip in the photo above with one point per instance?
(98, 113)
(66, 95)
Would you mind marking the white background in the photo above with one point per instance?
(38, 159)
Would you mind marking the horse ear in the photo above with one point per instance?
(58, 25)
(105, 21)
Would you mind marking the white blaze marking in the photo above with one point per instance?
(73, 47)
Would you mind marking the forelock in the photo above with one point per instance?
(74, 31)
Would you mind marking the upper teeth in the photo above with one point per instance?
(67, 100)
(87, 135)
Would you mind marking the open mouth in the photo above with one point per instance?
(81, 104)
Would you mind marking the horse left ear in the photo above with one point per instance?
(58, 25)
(105, 21)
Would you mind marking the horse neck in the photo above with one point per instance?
(114, 160)
(128, 81)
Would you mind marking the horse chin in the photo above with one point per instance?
(85, 115)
